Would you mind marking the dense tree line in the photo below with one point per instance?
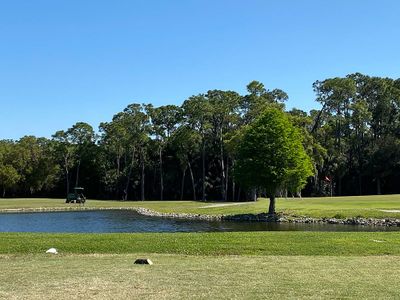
(190, 151)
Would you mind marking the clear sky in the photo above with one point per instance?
(80, 60)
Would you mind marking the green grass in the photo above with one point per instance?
(236, 265)
(208, 244)
(339, 207)
(197, 277)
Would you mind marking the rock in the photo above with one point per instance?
(143, 261)
(52, 251)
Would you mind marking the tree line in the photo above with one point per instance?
(190, 151)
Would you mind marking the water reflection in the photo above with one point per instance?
(129, 221)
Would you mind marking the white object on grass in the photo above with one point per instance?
(52, 251)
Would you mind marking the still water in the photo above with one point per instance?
(103, 221)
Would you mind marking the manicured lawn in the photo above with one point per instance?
(339, 207)
(245, 265)
(208, 244)
(344, 207)
(114, 276)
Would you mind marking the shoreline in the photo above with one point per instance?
(262, 217)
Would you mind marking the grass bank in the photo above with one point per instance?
(208, 244)
(382, 206)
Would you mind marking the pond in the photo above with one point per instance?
(103, 221)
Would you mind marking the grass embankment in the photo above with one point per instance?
(385, 206)
(208, 244)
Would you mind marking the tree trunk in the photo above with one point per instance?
(233, 182)
(318, 118)
(77, 173)
(192, 178)
(67, 179)
(221, 157)
(271, 209)
(238, 194)
(254, 194)
(118, 171)
(203, 158)
(227, 179)
(118, 164)
(378, 185)
(4, 192)
(161, 176)
(183, 182)
(142, 181)
(66, 172)
(128, 179)
(233, 190)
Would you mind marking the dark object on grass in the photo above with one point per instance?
(77, 196)
(143, 261)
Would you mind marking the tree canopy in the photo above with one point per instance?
(270, 156)
(189, 151)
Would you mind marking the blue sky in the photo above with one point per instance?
(67, 61)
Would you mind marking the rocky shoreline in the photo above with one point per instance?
(308, 220)
(263, 217)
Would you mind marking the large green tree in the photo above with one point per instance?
(186, 144)
(113, 142)
(270, 156)
(81, 135)
(197, 112)
(37, 167)
(164, 120)
(136, 122)
(9, 176)
(224, 118)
